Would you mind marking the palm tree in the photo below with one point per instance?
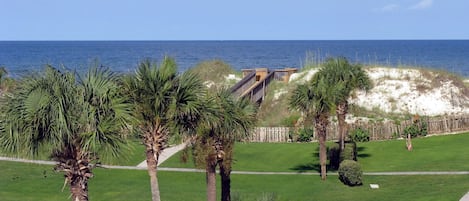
(229, 119)
(166, 103)
(77, 122)
(316, 99)
(353, 77)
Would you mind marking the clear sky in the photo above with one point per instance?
(233, 20)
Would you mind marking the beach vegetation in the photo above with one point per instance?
(216, 73)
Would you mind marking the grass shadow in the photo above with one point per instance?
(308, 166)
(360, 154)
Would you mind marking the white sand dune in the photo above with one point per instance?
(408, 91)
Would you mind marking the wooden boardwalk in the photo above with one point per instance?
(255, 82)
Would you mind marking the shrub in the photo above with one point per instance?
(305, 135)
(360, 135)
(336, 157)
(416, 129)
(349, 152)
(302, 135)
(333, 152)
(350, 173)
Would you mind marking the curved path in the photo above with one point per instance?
(244, 172)
(464, 198)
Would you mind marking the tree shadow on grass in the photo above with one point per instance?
(360, 154)
(308, 166)
(333, 156)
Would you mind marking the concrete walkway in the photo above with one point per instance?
(465, 197)
(167, 153)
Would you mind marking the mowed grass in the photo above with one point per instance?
(436, 153)
(20, 181)
(132, 157)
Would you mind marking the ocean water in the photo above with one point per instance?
(20, 57)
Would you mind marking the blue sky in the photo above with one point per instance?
(233, 20)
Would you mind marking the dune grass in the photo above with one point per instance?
(20, 181)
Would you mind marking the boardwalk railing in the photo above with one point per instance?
(244, 84)
(259, 90)
(377, 130)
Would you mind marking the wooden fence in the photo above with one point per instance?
(270, 134)
(377, 130)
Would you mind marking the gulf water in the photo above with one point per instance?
(20, 57)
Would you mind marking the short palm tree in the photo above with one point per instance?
(77, 122)
(166, 103)
(352, 77)
(229, 119)
(316, 99)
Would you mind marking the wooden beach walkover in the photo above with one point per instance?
(255, 82)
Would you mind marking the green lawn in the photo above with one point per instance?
(20, 181)
(132, 158)
(438, 153)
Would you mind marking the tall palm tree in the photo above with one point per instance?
(316, 99)
(166, 103)
(353, 77)
(229, 119)
(77, 122)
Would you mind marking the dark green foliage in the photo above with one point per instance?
(336, 156)
(305, 135)
(302, 135)
(350, 173)
(418, 128)
(349, 152)
(360, 135)
(333, 152)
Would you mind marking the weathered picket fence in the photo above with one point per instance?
(377, 130)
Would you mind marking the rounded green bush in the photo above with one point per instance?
(350, 173)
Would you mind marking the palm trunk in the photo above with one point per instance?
(321, 126)
(152, 165)
(341, 112)
(79, 188)
(225, 175)
(211, 183)
(225, 170)
(77, 171)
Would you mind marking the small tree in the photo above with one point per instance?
(77, 122)
(352, 77)
(227, 120)
(316, 99)
(166, 103)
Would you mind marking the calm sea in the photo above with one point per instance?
(123, 56)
